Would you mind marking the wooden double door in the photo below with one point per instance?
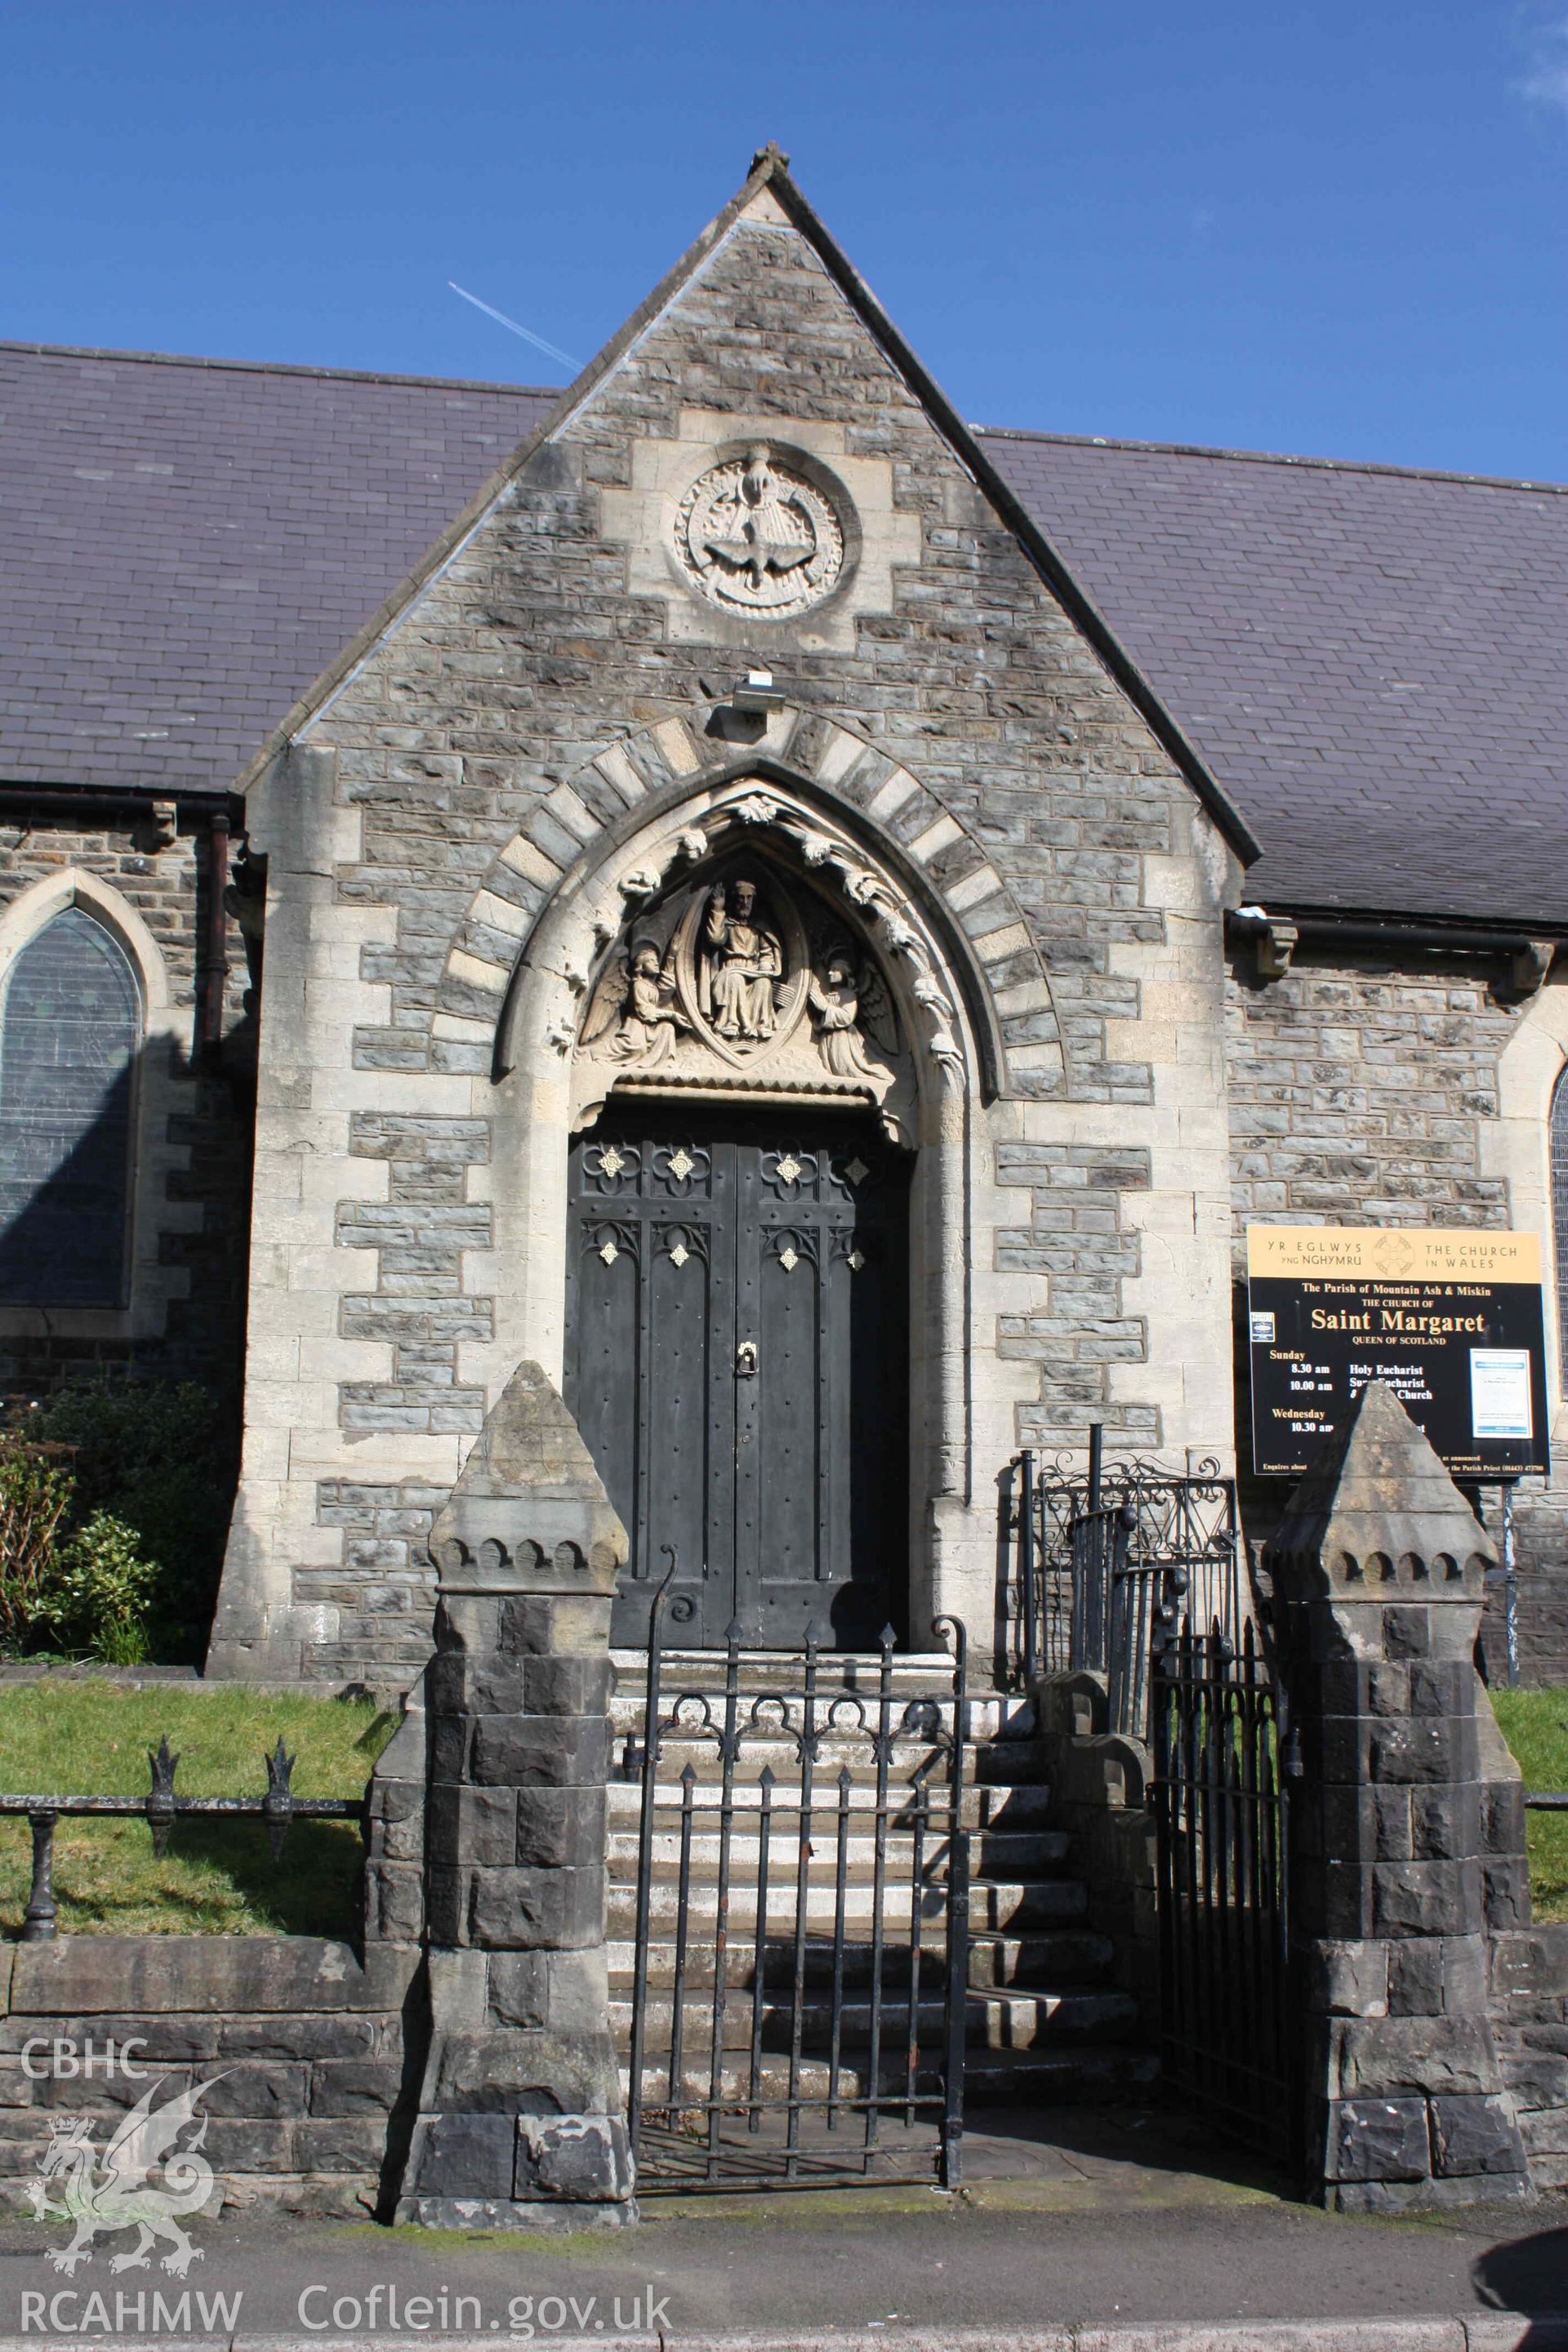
(737, 1360)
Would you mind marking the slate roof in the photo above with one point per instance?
(1372, 662)
(185, 545)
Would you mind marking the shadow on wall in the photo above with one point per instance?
(158, 1456)
(81, 1092)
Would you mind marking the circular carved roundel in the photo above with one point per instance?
(753, 535)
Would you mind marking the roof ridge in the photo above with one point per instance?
(983, 432)
(1269, 457)
(280, 367)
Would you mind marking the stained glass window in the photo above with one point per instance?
(70, 1033)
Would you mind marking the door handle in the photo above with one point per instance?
(746, 1360)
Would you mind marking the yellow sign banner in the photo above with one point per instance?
(1395, 1254)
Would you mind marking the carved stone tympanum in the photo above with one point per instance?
(743, 980)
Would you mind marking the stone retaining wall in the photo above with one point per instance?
(1529, 2021)
(299, 2042)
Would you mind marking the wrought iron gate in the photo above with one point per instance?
(801, 1965)
(1223, 1769)
(1099, 1557)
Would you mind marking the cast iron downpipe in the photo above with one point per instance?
(215, 941)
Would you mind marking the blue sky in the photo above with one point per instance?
(1333, 229)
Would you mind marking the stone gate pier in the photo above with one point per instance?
(520, 2117)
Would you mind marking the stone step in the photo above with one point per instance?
(1061, 1956)
(994, 1905)
(1025, 1807)
(857, 1670)
(1001, 1902)
(994, 2021)
(908, 1766)
(851, 1728)
(988, 1715)
(1000, 1853)
(1045, 2078)
(992, 2078)
(816, 1964)
(909, 1758)
(1043, 1962)
(989, 1712)
(1011, 1761)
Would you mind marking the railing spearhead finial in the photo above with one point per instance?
(277, 1806)
(160, 1797)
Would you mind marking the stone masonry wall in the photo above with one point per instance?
(211, 1132)
(1358, 1092)
(1529, 2021)
(302, 2047)
(988, 740)
(1076, 1235)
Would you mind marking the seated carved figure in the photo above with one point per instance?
(742, 960)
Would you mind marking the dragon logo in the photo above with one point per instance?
(103, 2194)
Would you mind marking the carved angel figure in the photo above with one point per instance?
(835, 995)
(742, 960)
(638, 1002)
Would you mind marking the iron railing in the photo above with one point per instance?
(800, 1971)
(1224, 1763)
(1101, 1557)
(161, 1807)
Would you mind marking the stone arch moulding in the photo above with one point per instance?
(38, 906)
(535, 1102)
(583, 928)
(927, 873)
(1517, 1146)
(159, 1094)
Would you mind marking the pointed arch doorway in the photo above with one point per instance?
(737, 1361)
(738, 1260)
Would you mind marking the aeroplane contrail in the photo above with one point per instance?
(527, 333)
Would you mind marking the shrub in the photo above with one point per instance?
(159, 1460)
(36, 1491)
(99, 1593)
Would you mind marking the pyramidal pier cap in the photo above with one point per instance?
(1378, 1511)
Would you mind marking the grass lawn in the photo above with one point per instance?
(86, 1738)
(1535, 1725)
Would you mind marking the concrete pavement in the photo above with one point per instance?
(1103, 2234)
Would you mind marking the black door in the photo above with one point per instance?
(736, 1359)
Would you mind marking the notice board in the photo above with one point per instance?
(1451, 1320)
